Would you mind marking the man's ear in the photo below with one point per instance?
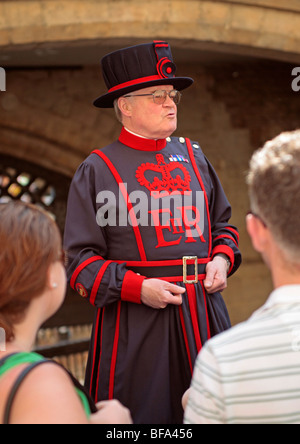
(124, 106)
(257, 232)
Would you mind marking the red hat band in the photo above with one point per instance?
(135, 82)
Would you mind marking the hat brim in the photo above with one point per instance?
(107, 100)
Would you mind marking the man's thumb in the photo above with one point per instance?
(210, 276)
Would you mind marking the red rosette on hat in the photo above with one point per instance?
(166, 68)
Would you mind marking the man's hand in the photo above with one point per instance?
(216, 275)
(111, 412)
(159, 294)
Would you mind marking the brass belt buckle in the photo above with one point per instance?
(185, 264)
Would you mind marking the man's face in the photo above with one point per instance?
(149, 119)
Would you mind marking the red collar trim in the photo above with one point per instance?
(141, 144)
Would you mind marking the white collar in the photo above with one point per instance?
(285, 295)
(137, 135)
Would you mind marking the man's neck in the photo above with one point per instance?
(283, 271)
(283, 279)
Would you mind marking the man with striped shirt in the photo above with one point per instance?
(251, 374)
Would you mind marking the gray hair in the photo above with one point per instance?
(118, 111)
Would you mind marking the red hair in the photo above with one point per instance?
(30, 242)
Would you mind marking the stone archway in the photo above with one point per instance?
(266, 28)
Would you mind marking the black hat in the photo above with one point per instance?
(139, 67)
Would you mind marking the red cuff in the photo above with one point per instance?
(225, 250)
(132, 287)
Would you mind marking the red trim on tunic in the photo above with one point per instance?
(98, 282)
(201, 277)
(132, 287)
(114, 354)
(224, 249)
(143, 257)
(196, 169)
(191, 292)
(128, 202)
(185, 339)
(226, 236)
(79, 269)
(206, 311)
(166, 263)
(95, 348)
(140, 143)
(234, 232)
(98, 370)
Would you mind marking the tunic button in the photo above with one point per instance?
(196, 146)
(181, 139)
(168, 139)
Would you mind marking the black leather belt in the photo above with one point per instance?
(187, 270)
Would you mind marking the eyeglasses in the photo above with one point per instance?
(160, 96)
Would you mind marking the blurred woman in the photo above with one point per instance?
(32, 288)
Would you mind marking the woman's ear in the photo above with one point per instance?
(56, 288)
(52, 278)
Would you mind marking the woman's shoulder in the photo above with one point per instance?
(46, 395)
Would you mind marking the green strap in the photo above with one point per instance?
(32, 358)
(85, 402)
(19, 359)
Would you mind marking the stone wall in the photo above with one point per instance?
(254, 27)
(47, 117)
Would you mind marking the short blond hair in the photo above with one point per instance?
(274, 190)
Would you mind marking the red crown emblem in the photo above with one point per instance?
(164, 183)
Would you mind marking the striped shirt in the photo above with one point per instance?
(251, 373)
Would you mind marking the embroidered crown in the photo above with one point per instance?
(168, 178)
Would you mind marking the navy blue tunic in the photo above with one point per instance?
(135, 209)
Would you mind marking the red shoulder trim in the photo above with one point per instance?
(124, 192)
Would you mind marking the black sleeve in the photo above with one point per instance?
(90, 273)
(225, 236)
